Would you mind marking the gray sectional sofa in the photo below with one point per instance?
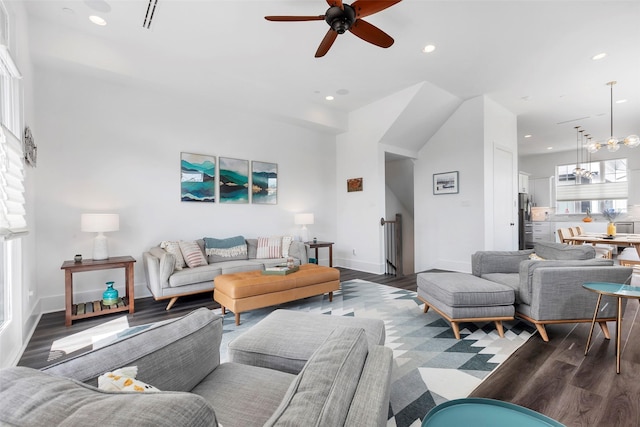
(166, 282)
(549, 289)
(345, 382)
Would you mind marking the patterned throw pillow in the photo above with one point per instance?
(536, 257)
(269, 247)
(192, 254)
(225, 249)
(124, 379)
(174, 249)
(286, 243)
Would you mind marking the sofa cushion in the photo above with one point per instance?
(192, 254)
(322, 392)
(174, 249)
(269, 247)
(528, 268)
(189, 276)
(562, 251)
(244, 395)
(286, 339)
(463, 290)
(229, 249)
(169, 355)
(483, 262)
(33, 398)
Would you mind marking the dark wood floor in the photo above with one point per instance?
(553, 378)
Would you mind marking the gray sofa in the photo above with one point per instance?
(346, 381)
(549, 290)
(166, 282)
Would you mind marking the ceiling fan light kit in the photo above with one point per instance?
(342, 17)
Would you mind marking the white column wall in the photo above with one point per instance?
(109, 146)
(500, 131)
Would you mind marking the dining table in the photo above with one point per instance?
(620, 239)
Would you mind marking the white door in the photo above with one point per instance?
(505, 225)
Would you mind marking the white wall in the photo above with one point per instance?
(109, 146)
(359, 154)
(451, 227)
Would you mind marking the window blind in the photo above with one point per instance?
(12, 211)
(601, 191)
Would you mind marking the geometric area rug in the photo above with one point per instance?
(430, 366)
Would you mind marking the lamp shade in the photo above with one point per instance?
(99, 223)
(304, 219)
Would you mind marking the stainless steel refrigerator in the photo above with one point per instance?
(525, 227)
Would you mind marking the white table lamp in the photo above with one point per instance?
(304, 219)
(100, 223)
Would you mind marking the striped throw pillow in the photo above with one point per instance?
(192, 254)
(269, 247)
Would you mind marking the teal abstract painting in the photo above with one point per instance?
(197, 178)
(264, 182)
(234, 180)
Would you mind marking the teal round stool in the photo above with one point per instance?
(479, 412)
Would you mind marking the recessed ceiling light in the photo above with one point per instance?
(528, 136)
(621, 101)
(329, 98)
(97, 20)
(598, 56)
(549, 148)
(428, 48)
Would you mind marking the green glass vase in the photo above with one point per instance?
(110, 296)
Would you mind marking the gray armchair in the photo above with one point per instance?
(549, 290)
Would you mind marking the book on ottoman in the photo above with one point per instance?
(279, 270)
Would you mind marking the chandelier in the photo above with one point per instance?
(578, 171)
(613, 144)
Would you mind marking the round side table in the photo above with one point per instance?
(619, 291)
(479, 412)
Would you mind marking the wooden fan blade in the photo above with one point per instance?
(333, 3)
(294, 18)
(370, 33)
(326, 43)
(369, 7)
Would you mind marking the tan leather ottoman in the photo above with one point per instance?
(249, 290)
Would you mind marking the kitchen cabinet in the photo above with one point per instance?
(543, 232)
(541, 191)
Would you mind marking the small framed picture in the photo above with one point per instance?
(354, 184)
(445, 183)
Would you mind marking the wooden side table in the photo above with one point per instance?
(318, 244)
(96, 308)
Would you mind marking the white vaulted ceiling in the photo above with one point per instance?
(532, 57)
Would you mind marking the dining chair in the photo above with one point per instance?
(602, 251)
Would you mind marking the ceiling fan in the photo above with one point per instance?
(342, 17)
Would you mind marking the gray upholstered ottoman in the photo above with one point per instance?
(460, 297)
(286, 339)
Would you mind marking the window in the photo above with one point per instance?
(12, 213)
(606, 188)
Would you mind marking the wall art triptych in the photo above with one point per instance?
(237, 183)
